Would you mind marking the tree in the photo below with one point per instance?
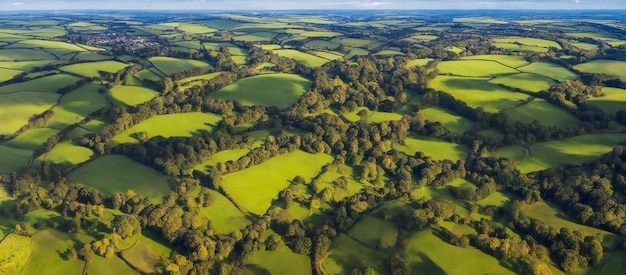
(125, 225)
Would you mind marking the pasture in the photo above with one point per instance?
(46, 256)
(13, 159)
(132, 95)
(170, 125)
(67, 154)
(308, 60)
(525, 81)
(51, 84)
(16, 109)
(171, 65)
(102, 266)
(24, 55)
(24, 65)
(370, 116)
(224, 216)
(603, 66)
(319, 34)
(449, 120)
(477, 92)
(8, 74)
(142, 257)
(45, 44)
(280, 90)
(282, 261)
(116, 173)
(550, 70)
(329, 180)
(544, 112)
(358, 43)
(552, 216)
(513, 61)
(31, 139)
(94, 69)
(436, 148)
(254, 188)
(347, 254)
(418, 62)
(195, 29)
(14, 253)
(223, 156)
(612, 101)
(76, 105)
(529, 41)
(371, 231)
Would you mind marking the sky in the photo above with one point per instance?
(309, 4)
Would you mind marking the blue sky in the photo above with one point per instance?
(309, 4)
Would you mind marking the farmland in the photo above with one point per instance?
(282, 90)
(172, 125)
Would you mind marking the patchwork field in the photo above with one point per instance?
(170, 65)
(544, 112)
(13, 159)
(132, 95)
(24, 55)
(347, 254)
(308, 60)
(278, 262)
(16, 109)
(507, 60)
(67, 154)
(49, 84)
(476, 68)
(46, 256)
(170, 125)
(602, 66)
(281, 90)
(529, 41)
(76, 105)
(94, 69)
(450, 121)
(612, 101)
(374, 231)
(524, 81)
(224, 216)
(550, 70)
(436, 148)
(31, 139)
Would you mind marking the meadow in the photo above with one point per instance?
(67, 154)
(602, 66)
(282, 261)
(436, 148)
(513, 61)
(46, 256)
(550, 70)
(371, 231)
(76, 105)
(223, 156)
(544, 112)
(132, 95)
(24, 55)
(31, 139)
(16, 109)
(612, 100)
(449, 120)
(170, 125)
(49, 84)
(94, 69)
(529, 41)
(475, 68)
(13, 159)
(347, 254)
(308, 60)
(14, 253)
(371, 116)
(418, 62)
(552, 216)
(225, 218)
(281, 90)
(525, 81)
(8, 74)
(171, 65)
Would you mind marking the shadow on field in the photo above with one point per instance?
(467, 84)
(257, 270)
(424, 265)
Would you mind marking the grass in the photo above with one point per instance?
(525, 81)
(508, 60)
(556, 218)
(319, 34)
(477, 92)
(222, 24)
(529, 41)
(389, 52)
(428, 254)
(308, 60)
(189, 82)
(171, 65)
(280, 90)
(24, 55)
(257, 36)
(347, 254)
(48, 246)
(585, 46)
(282, 261)
(147, 74)
(8, 74)
(51, 84)
(132, 95)
(67, 154)
(46, 44)
(436, 148)
(519, 48)
(573, 151)
(550, 70)
(324, 44)
(459, 229)
(603, 66)
(142, 257)
(94, 69)
(91, 56)
(328, 181)
(170, 125)
(544, 112)
(370, 231)
(418, 62)
(115, 173)
(474, 68)
(358, 43)
(254, 188)
(76, 105)
(495, 198)
(450, 121)
(329, 56)
(31, 139)
(612, 101)
(222, 156)
(102, 266)
(16, 109)
(224, 216)
(195, 29)
(13, 159)
(24, 65)
(371, 117)
(14, 253)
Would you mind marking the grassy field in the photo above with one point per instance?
(94, 69)
(49, 84)
(358, 43)
(222, 156)
(435, 148)
(101, 266)
(224, 216)
(612, 101)
(280, 90)
(347, 254)
(16, 109)
(529, 41)
(550, 70)
(428, 254)
(254, 188)
(31, 139)
(148, 74)
(370, 231)
(329, 179)
(91, 56)
(76, 105)
(308, 60)
(418, 62)
(585, 46)
(171, 65)
(132, 95)
(45, 44)
(116, 173)
(329, 56)
(495, 198)
(46, 256)
(24, 65)
(319, 43)
(575, 150)
(475, 68)
(520, 48)
(389, 52)
(477, 92)
(68, 154)
(189, 82)
(278, 262)
(24, 55)
(195, 29)
(544, 112)
(450, 121)
(556, 218)
(170, 125)
(525, 81)
(14, 253)
(8, 74)
(142, 257)
(602, 66)
(13, 159)
(371, 117)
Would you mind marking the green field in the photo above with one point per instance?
(525, 81)
(132, 95)
(495, 198)
(358, 43)
(436, 148)
(91, 56)
(575, 151)
(170, 125)
(101, 266)
(8, 74)
(257, 36)
(17, 108)
(171, 65)
(308, 60)
(371, 117)
(347, 254)
(142, 257)
(428, 254)
(224, 216)
(550, 70)
(328, 180)
(556, 218)
(76, 105)
(116, 173)
(149, 74)
(222, 156)
(31, 139)
(24, 65)
(529, 42)
(329, 56)
(67, 154)
(46, 256)
(585, 46)
(603, 66)
(319, 43)
(370, 231)
(254, 188)
(520, 48)
(281, 90)
(49, 84)
(508, 60)
(45, 44)
(450, 121)
(477, 92)
(14, 253)
(418, 62)
(612, 101)
(24, 55)
(94, 69)
(319, 34)
(195, 29)
(13, 159)
(544, 112)
(278, 262)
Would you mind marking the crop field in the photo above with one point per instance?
(544, 112)
(46, 256)
(278, 262)
(347, 254)
(418, 62)
(255, 187)
(31, 139)
(171, 65)
(170, 125)
(450, 121)
(550, 70)
(477, 92)
(602, 66)
(436, 148)
(475, 68)
(370, 231)
(282, 90)
(49, 84)
(556, 218)
(428, 254)
(14, 253)
(525, 81)
(67, 154)
(308, 60)
(94, 69)
(17, 108)
(115, 173)
(76, 105)
(132, 95)
(507, 60)
(13, 159)
(224, 216)
(575, 150)
(612, 101)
